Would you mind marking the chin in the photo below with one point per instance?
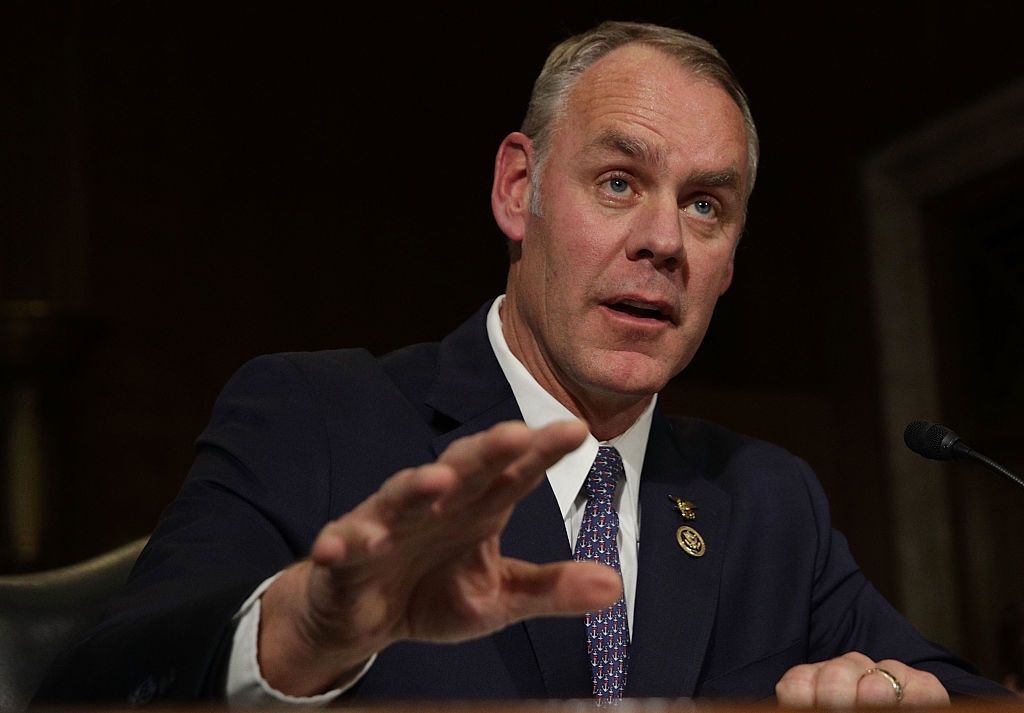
(629, 374)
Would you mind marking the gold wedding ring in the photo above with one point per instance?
(897, 687)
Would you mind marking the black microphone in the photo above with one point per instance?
(935, 441)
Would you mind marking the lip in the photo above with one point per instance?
(667, 312)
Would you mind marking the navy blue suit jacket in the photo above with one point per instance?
(296, 440)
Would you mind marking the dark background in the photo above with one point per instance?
(184, 186)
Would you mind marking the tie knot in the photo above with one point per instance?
(604, 474)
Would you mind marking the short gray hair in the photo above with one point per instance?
(573, 56)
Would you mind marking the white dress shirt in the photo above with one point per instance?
(247, 687)
(568, 475)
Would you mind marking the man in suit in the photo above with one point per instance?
(420, 525)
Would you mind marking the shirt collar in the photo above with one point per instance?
(540, 408)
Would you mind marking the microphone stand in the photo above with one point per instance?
(986, 461)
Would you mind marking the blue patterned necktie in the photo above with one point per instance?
(608, 629)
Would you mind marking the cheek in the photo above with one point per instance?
(574, 257)
(726, 275)
(713, 267)
(575, 218)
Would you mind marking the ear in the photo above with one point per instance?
(510, 193)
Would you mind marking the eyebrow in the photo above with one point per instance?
(728, 178)
(640, 150)
(628, 146)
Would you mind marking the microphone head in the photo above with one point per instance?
(931, 440)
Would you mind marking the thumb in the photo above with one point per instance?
(559, 588)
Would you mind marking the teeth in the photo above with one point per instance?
(641, 305)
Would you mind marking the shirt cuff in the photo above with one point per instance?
(245, 683)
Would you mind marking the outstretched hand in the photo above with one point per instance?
(420, 559)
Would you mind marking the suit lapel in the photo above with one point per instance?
(536, 533)
(676, 593)
(472, 391)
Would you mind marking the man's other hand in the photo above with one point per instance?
(855, 681)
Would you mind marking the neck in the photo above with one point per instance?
(607, 414)
(607, 422)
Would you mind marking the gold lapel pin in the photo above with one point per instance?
(687, 509)
(689, 540)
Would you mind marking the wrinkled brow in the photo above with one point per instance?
(629, 146)
(640, 150)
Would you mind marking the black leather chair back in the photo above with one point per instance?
(42, 613)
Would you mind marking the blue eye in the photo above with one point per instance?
(618, 185)
(703, 208)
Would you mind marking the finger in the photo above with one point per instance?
(412, 493)
(514, 458)
(876, 690)
(825, 684)
(920, 688)
(796, 687)
(837, 681)
(465, 472)
(481, 458)
(547, 446)
(347, 541)
(405, 499)
(559, 588)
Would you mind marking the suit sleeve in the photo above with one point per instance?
(849, 614)
(253, 501)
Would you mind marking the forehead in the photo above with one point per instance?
(642, 91)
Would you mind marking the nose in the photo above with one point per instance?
(657, 235)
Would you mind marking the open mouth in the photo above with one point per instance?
(639, 309)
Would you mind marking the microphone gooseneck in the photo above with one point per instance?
(938, 442)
